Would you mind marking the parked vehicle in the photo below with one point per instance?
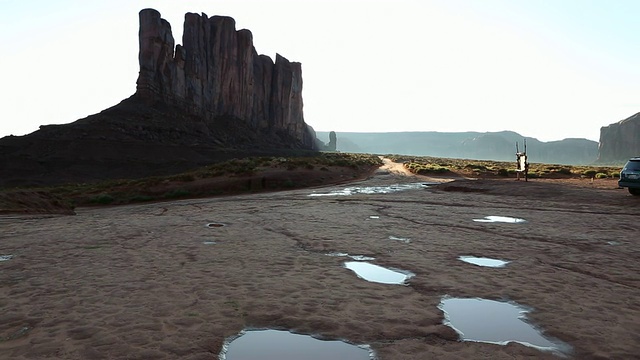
(630, 176)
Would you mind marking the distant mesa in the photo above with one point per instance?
(211, 99)
(620, 141)
(498, 146)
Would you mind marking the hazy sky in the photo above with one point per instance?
(549, 69)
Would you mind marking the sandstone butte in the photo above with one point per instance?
(620, 141)
(211, 99)
(217, 72)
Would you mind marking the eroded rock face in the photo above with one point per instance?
(620, 141)
(217, 72)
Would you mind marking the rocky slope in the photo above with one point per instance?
(211, 99)
(620, 141)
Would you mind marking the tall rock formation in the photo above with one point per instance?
(620, 141)
(217, 72)
(209, 100)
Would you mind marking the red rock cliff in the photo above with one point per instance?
(217, 72)
(620, 141)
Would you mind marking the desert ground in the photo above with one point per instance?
(153, 281)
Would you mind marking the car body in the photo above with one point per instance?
(630, 176)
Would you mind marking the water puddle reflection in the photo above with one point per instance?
(404, 240)
(378, 274)
(495, 322)
(483, 261)
(209, 242)
(354, 257)
(353, 190)
(215, 225)
(6, 257)
(502, 219)
(277, 344)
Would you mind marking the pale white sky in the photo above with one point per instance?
(549, 69)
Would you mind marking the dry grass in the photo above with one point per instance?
(225, 178)
(426, 165)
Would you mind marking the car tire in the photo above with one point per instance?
(634, 191)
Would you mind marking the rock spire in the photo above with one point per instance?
(217, 72)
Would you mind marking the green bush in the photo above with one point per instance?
(601, 175)
(176, 193)
(102, 199)
(141, 198)
(590, 173)
(476, 167)
(431, 169)
(184, 177)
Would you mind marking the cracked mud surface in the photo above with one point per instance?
(138, 282)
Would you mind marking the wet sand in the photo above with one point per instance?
(146, 282)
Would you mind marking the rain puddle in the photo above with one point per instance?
(215, 225)
(378, 274)
(209, 242)
(483, 261)
(502, 219)
(495, 322)
(6, 257)
(353, 190)
(354, 257)
(404, 240)
(374, 217)
(613, 243)
(277, 344)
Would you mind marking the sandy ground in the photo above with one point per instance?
(145, 282)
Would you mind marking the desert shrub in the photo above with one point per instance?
(150, 181)
(102, 199)
(176, 193)
(183, 177)
(476, 167)
(590, 173)
(431, 169)
(601, 175)
(503, 172)
(264, 161)
(563, 171)
(211, 173)
(240, 166)
(141, 198)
